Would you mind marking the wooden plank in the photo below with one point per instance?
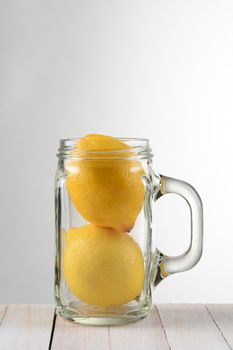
(26, 327)
(223, 317)
(68, 335)
(2, 312)
(145, 334)
(190, 326)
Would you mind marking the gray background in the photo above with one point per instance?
(156, 69)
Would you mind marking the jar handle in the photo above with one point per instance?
(169, 265)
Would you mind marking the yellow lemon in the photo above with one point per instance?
(106, 192)
(103, 267)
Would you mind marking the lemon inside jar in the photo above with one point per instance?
(106, 190)
(103, 267)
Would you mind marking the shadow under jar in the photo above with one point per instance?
(114, 191)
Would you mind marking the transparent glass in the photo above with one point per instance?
(137, 159)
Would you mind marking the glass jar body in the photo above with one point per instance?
(67, 217)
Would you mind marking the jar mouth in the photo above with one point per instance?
(139, 148)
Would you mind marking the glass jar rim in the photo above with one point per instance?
(139, 148)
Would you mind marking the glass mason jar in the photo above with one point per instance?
(104, 276)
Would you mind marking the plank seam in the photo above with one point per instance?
(1, 321)
(164, 331)
(212, 317)
(109, 338)
(52, 330)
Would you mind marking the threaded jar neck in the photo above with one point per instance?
(138, 149)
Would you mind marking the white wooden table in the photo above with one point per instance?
(169, 327)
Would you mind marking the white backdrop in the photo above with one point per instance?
(156, 69)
